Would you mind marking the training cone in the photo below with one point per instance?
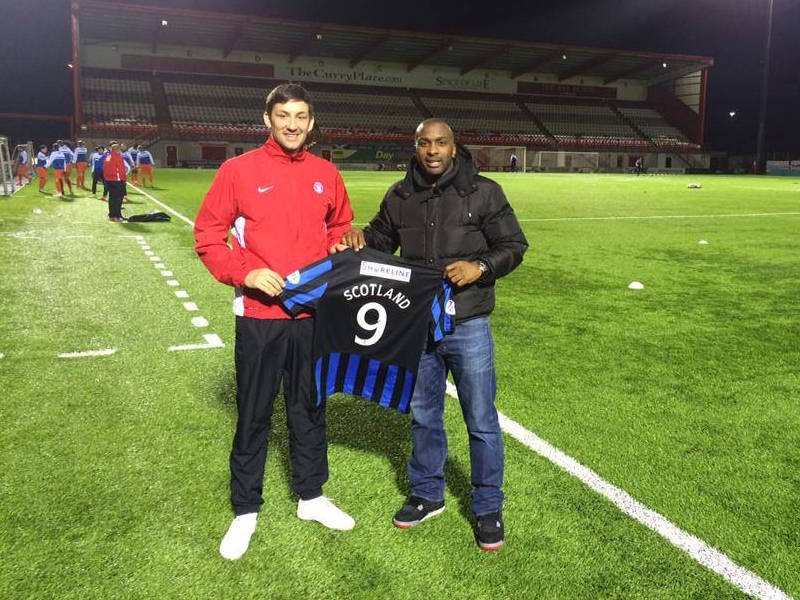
(703, 242)
(635, 285)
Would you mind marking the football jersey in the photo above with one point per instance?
(374, 312)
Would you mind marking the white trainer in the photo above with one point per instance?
(236, 541)
(322, 510)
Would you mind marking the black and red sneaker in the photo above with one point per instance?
(489, 531)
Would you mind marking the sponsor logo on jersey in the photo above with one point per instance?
(265, 189)
(318, 187)
(293, 278)
(373, 269)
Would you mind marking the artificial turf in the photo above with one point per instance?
(113, 470)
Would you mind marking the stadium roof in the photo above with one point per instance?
(105, 21)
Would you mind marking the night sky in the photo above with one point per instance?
(35, 46)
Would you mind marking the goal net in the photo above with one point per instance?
(498, 158)
(578, 162)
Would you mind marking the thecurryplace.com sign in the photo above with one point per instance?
(393, 76)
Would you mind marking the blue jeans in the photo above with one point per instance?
(468, 354)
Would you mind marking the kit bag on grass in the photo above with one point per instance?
(151, 216)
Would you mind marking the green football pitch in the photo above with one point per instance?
(682, 395)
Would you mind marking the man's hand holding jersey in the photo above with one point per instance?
(354, 239)
(463, 272)
(266, 280)
(459, 273)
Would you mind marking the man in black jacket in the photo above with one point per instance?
(443, 213)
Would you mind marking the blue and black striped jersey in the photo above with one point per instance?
(374, 312)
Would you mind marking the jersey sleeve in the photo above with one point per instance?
(306, 287)
(443, 312)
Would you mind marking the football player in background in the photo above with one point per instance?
(144, 161)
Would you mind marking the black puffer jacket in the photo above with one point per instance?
(463, 216)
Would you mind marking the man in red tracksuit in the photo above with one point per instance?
(287, 208)
(115, 172)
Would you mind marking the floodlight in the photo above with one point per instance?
(732, 114)
(664, 65)
(164, 22)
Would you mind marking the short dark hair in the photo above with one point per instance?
(289, 91)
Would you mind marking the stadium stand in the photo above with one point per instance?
(119, 104)
(116, 103)
(198, 109)
(372, 87)
(502, 117)
(654, 125)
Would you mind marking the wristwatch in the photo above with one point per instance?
(483, 268)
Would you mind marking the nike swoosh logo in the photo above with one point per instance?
(263, 190)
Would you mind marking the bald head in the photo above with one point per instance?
(433, 122)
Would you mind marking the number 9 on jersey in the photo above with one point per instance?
(376, 326)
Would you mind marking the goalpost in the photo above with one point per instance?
(498, 158)
(578, 162)
(6, 169)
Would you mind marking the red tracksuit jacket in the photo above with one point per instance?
(114, 167)
(286, 210)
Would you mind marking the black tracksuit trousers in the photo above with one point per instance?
(98, 176)
(116, 190)
(268, 351)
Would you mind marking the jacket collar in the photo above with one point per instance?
(274, 150)
(461, 176)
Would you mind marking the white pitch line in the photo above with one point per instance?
(149, 253)
(634, 218)
(2, 355)
(146, 247)
(155, 258)
(169, 208)
(212, 341)
(106, 352)
(711, 558)
(160, 266)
